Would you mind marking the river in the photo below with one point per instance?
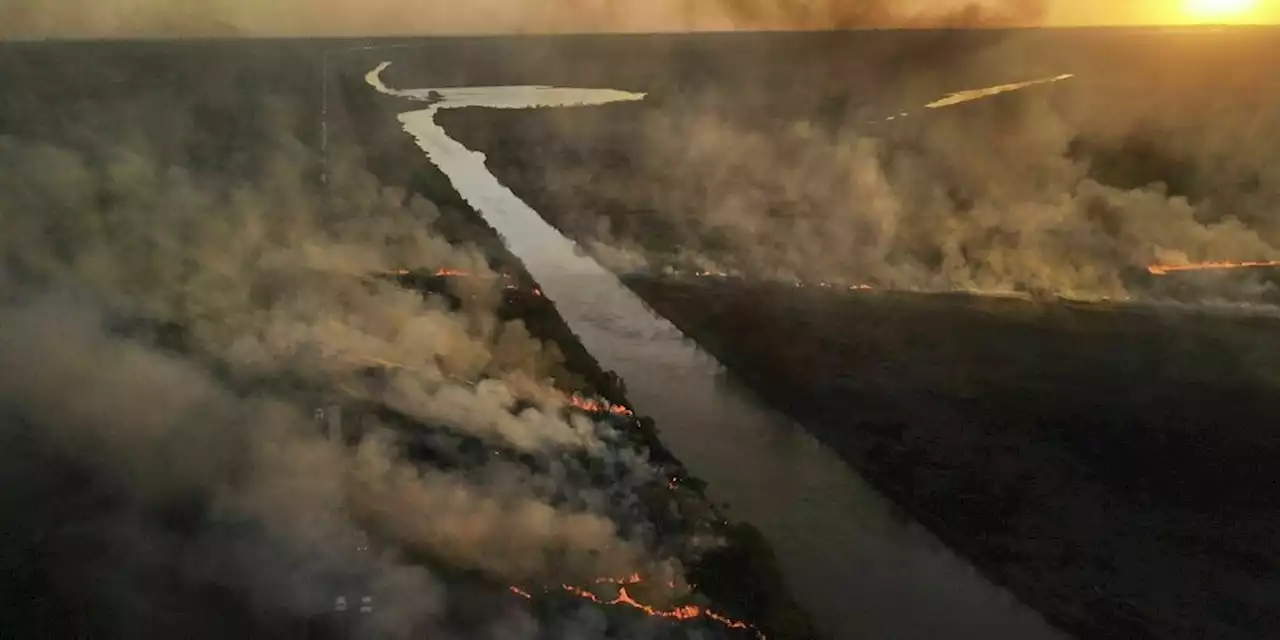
(858, 566)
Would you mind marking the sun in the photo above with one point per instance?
(1218, 10)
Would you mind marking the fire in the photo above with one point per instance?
(509, 283)
(625, 599)
(574, 400)
(1165, 269)
(799, 284)
(598, 406)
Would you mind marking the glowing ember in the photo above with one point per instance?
(1165, 269)
(799, 284)
(575, 400)
(598, 406)
(625, 599)
(443, 273)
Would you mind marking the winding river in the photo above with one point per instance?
(860, 569)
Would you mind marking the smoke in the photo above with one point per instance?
(201, 479)
(1073, 188)
(162, 432)
(834, 14)
(170, 18)
(982, 204)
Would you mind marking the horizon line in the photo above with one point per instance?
(52, 39)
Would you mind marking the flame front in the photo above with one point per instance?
(797, 283)
(1165, 269)
(625, 599)
(598, 406)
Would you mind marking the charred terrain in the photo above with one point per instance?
(153, 197)
(1110, 464)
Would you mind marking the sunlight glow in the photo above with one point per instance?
(1218, 11)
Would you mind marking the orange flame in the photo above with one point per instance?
(598, 406)
(451, 272)
(442, 272)
(682, 612)
(1165, 269)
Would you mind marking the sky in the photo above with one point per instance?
(1102, 12)
(125, 18)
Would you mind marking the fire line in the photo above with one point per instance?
(680, 613)
(1165, 269)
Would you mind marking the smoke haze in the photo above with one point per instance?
(160, 18)
(1073, 188)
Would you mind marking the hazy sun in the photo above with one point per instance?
(1217, 10)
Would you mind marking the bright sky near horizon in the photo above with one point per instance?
(1104, 12)
(124, 18)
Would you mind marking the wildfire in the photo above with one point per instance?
(1165, 269)
(585, 404)
(598, 406)
(799, 284)
(625, 599)
(509, 283)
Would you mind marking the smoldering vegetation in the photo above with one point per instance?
(188, 491)
(1159, 150)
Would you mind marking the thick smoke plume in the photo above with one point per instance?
(204, 473)
(171, 18)
(1072, 188)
